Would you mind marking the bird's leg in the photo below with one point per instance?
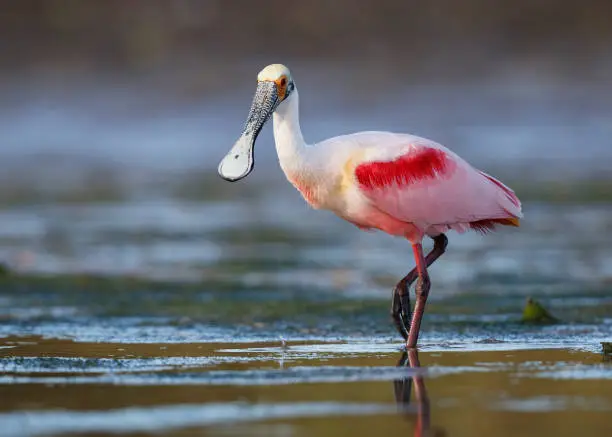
(422, 291)
(400, 304)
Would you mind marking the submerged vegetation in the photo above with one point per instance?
(227, 301)
(534, 312)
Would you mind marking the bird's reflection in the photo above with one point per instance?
(419, 406)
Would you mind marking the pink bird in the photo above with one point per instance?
(401, 184)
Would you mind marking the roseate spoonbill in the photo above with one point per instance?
(401, 184)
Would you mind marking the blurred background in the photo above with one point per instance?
(114, 115)
(145, 273)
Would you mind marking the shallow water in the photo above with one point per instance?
(165, 311)
(59, 387)
(230, 318)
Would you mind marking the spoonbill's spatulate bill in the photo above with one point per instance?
(401, 184)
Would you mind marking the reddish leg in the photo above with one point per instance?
(422, 291)
(400, 306)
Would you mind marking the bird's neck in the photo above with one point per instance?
(299, 162)
(288, 137)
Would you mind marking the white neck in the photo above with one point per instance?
(287, 133)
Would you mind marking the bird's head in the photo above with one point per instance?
(280, 77)
(274, 86)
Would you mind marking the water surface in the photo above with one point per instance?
(172, 303)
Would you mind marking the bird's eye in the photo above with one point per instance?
(283, 81)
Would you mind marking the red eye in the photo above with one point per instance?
(283, 82)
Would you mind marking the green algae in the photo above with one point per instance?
(534, 312)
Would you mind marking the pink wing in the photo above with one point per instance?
(433, 188)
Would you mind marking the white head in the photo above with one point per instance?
(274, 86)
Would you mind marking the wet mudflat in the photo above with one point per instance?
(361, 387)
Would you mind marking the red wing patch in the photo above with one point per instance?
(405, 170)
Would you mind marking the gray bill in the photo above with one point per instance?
(239, 162)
